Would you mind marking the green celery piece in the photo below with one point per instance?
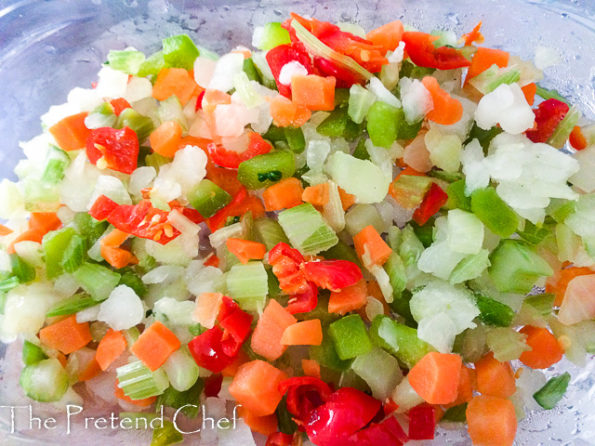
(533, 234)
(487, 205)
(156, 161)
(395, 268)
(564, 128)
(180, 51)
(360, 152)
(250, 69)
(306, 229)
(176, 399)
(335, 124)
(383, 123)
(285, 419)
(295, 139)
(101, 116)
(411, 247)
(56, 164)
(550, 94)
(516, 266)
(45, 381)
(142, 125)
(560, 209)
(138, 382)
(74, 254)
(269, 232)
(360, 101)
(265, 170)
(350, 337)
(207, 198)
(410, 190)
(21, 269)
(553, 391)
(409, 69)
(493, 312)
(456, 196)
(449, 177)
(54, 244)
(273, 34)
(132, 280)
(97, 280)
(471, 267)
(542, 303)
(229, 259)
(341, 251)
(456, 413)
(402, 308)
(273, 284)
(32, 354)
(394, 238)
(399, 340)
(152, 65)
(8, 284)
(248, 284)
(89, 228)
(128, 61)
(72, 305)
(166, 434)
(483, 136)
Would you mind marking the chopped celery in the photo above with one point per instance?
(465, 232)
(553, 391)
(128, 61)
(101, 116)
(394, 238)
(306, 229)
(471, 267)
(383, 123)
(396, 272)
(265, 170)
(360, 101)
(142, 125)
(380, 370)
(295, 139)
(542, 303)
(506, 343)
(534, 234)
(250, 69)
(207, 198)
(175, 399)
(182, 371)
(152, 65)
(560, 209)
(493, 77)
(445, 150)
(8, 283)
(361, 215)
(132, 280)
(487, 205)
(456, 413)
(272, 35)
(74, 254)
(166, 434)
(156, 161)
(411, 247)
(398, 339)
(564, 128)
(71, 305)
(21, 269)
(493, 312)
(326, 355)
(45, 381)
(350, 337)
(269, 232)
(57, 162)
(32, 354)
(171, 109)
(516, 267)
(97, 280)
(54, 244)
(248, 285)
(88, 227)
(550, 94)
(180, 51)
(410, 190)
(138, 382)
(341, 251)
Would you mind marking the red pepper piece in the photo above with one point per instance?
(236, 325)
(119, 105)
(286, 262)
(333, 275)
(213, 385)
(577, 140)
(279, 439)
(199, 99)
(119, 148)
(304, 302)
(304, 394)
(231, 159)
(207, 350)
(144, 221)
(284, 250)
(388, 432)
(281, 55)
(547, 117)
(102, 208)
(422, 423)
(434, 199)
(421, 51)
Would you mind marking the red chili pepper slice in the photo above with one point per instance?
(333, 275)
(207, 350)
(213, 385)
(547, 117)
(281, 55)
(236, 325)
(304, 302)
(421, 51)
(102, 208)
(279, 439)
(241, 204)
(231, 159)
(434, 199)
(345, 78)
(388, 432)
(286, 262)
(119, 105)
(304, 394)
(422, 422)
(118, 148)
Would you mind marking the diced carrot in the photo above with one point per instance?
(446, 109)
(140, 403)
(194, 141)
(155, 345)
(314, 92)
(577, 139)
(71, 133)
(111, 346)
(285, 194)
(40, 223)
(61, 358)
(494, 378)
(545, 349)
(256, 387)
(347, 199)
(112, 253)
(484, 58)
(5, 230)
(165, 139)
(467, 384)
(263, 425)
(232, 368)
(119, 105)
(491, 421)
(207, 308)
(529, 91)
(308, 332)
(90, 371)
(175, 81)
(348, 299)
(435, 377)
(387, 36)
(369, 241)
(288, 114)
(246, 250)
(563, 279)
(473, 36)
(311, 367)
(266, 339)
(66, 335)
(317, 195)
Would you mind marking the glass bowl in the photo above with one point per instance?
(49, 47)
